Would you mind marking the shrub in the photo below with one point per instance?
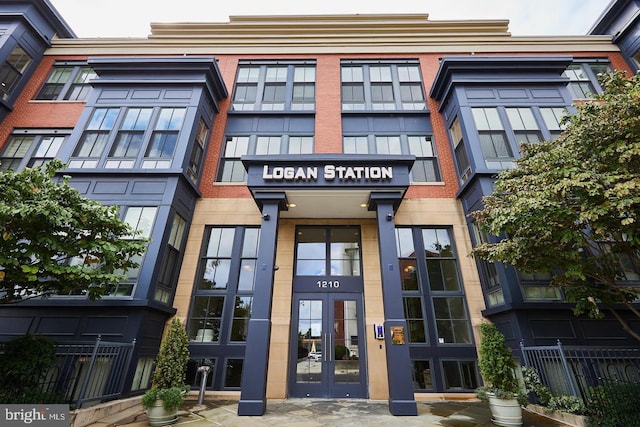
(23, 367)
(171, 367)
(497, 366)
(614, 405)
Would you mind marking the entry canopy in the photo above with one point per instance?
(328, 186)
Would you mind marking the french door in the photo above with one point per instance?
(327, 346)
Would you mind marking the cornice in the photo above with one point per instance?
(323, 34)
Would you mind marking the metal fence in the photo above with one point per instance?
(88, 372)
(573, 370)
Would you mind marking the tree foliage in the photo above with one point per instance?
(571, 207)
(53, 240)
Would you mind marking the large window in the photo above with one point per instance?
(432, 279)
(223, 298)
(232, 170)
(275, 87)
(425, 168)
(28, 148)
(435, 310)
(67, 81)
(583, 78)
(381, 86)
(11, 71)
(129, 132)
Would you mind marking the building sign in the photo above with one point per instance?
(327, 171)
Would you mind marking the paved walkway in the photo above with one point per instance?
(328, 413)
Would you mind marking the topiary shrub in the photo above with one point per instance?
(170, 369)
(497, 366)
(613, 405)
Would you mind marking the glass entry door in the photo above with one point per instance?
(327, 352)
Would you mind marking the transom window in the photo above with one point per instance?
(67, 82)
(425, 167)
(232, 170)
(31, 148)
(382, 86)
(331, 251)
(275, 87)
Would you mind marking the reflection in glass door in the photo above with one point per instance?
(328, 360)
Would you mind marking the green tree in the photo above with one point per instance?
(571, 207)
(53, 240)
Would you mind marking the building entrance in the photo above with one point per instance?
(327, 358)
(327, 353)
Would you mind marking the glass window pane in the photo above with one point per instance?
(409, 274)
(220, 242)
(405, 246)
(215, 274)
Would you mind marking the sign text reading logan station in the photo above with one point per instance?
(329, 172)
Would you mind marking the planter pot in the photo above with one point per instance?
(158, 416)
(505, 412)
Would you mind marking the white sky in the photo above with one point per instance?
(131, 18)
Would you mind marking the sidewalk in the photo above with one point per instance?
(327, 413)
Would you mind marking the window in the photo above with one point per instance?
(226, 276)
(126, 147)
(425, 168)
(67, 81)
(164, 138)
(432, 279)
(381, 87)
(583, 78)
(30, 148)
(452, 321)
(460, 375)
(135, 128)
(167, 278)
(422, 376)
(232, 169)
(462, 159)
(141, 220)
(495, 146)
(94, 139)
(11, 71)
(524, 125)
(552, 117)
(535, 287)
(195, 160)
(331, 251)
(274, 87)
(488, 272)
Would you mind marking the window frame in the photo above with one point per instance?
(75, 86)
(279, 86)
(375, 86)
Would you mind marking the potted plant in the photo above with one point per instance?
(502, 388)
(167, 390)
